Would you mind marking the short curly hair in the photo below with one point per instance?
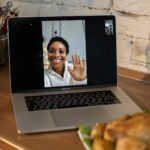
(60, 39)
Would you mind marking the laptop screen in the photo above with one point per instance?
(58, 52)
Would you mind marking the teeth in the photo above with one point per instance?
(56, 60)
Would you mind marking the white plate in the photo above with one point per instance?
(81, 136)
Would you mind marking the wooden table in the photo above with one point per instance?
(64, 140)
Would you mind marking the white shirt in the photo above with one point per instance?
(53, 79)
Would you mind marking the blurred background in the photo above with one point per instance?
(132, 18)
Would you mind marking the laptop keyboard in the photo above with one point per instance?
(44, 102)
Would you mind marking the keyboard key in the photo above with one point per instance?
(55, 101)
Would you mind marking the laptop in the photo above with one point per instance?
(47, 92)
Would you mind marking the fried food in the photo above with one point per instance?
(129, 132)
(98, 130)
(137, 125)
(131, 143)
(100, 144)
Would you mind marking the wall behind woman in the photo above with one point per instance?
(77, 43)
(133, 23)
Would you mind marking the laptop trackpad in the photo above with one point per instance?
(78, 116)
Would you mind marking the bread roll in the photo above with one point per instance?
(98, 130)
(137, 125)
(129, 132)
(99, 144)
(131, 143)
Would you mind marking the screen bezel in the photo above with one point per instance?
(11, 34)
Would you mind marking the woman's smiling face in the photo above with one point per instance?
(57, 55)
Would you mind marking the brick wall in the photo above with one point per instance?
(133, 23)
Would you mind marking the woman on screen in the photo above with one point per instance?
(60, 72)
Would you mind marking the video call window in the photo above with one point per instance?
(64, 51)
